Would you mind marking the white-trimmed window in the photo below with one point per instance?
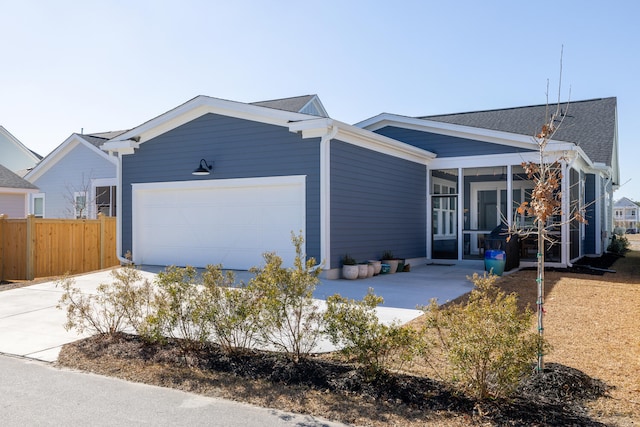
(37, 205)
(106, 200)
(444, 218)
(80, 204)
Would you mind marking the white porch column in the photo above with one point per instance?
(509, 196)
(325, 197)
(565, 236)
(460, 214)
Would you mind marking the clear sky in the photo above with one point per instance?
(96, 66)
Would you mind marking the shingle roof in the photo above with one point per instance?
(97, 139)
(9, 179)
(590, 124)
(294, 104)
(624, 202)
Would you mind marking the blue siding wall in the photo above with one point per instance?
(591, 234)
(378, 203)
(444, 145)
(238, 149)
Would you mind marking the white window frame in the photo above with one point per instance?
(101, 182)
(446, 225)
(32, 204)
(76, 195)
(498, 186)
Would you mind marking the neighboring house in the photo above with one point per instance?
(14, 155)
(423, 188)
(14, 194)
(76, 180)
(625, 214)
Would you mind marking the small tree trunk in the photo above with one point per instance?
(540, 301)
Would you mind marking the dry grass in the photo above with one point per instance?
(592, 323)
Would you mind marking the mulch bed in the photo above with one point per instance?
(588, 265)
(555, 397)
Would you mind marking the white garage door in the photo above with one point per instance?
(230, 222)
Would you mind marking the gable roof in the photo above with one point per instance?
(199, 106)
(307, 104)
(9, 179)
(90, 141)
(590, 124)
(29, 157)
(625, 203)
(308, 124)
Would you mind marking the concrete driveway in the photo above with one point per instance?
(31, 325)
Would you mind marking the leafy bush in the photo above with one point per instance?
(488, 342)
(234, 313)
(619, 244)
(116, 305)
(181, 308)
(289, 319)
(354, 327)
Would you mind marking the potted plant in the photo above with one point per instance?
(349, 267)
(363, 270)
(377, 266)
(389, 258)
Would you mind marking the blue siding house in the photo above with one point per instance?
(217, 181)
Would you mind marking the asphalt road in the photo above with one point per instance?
(37, 394)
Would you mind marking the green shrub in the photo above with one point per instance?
(488, 342)
(181, 307)
(124, 302)
(354, 327)
(290, 321)
(234, 313)
(619, 244)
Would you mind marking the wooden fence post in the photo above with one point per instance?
(103, 230)
(31, 247)
(2, 227)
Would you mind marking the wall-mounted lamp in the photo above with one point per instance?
(203, 169)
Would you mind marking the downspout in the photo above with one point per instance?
(606, 210)
(123, 261)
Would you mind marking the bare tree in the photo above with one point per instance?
(79, 197)
(546, 207)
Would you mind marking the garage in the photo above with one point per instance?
(227, 221)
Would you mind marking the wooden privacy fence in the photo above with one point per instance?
(38, 247)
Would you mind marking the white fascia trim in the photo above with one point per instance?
(58, 154)
(200, 106)
(25, 191)
(123, 147)
(363, 138)
(460, 131)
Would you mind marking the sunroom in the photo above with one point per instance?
(468, 203)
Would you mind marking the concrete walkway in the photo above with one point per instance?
(31, 325)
